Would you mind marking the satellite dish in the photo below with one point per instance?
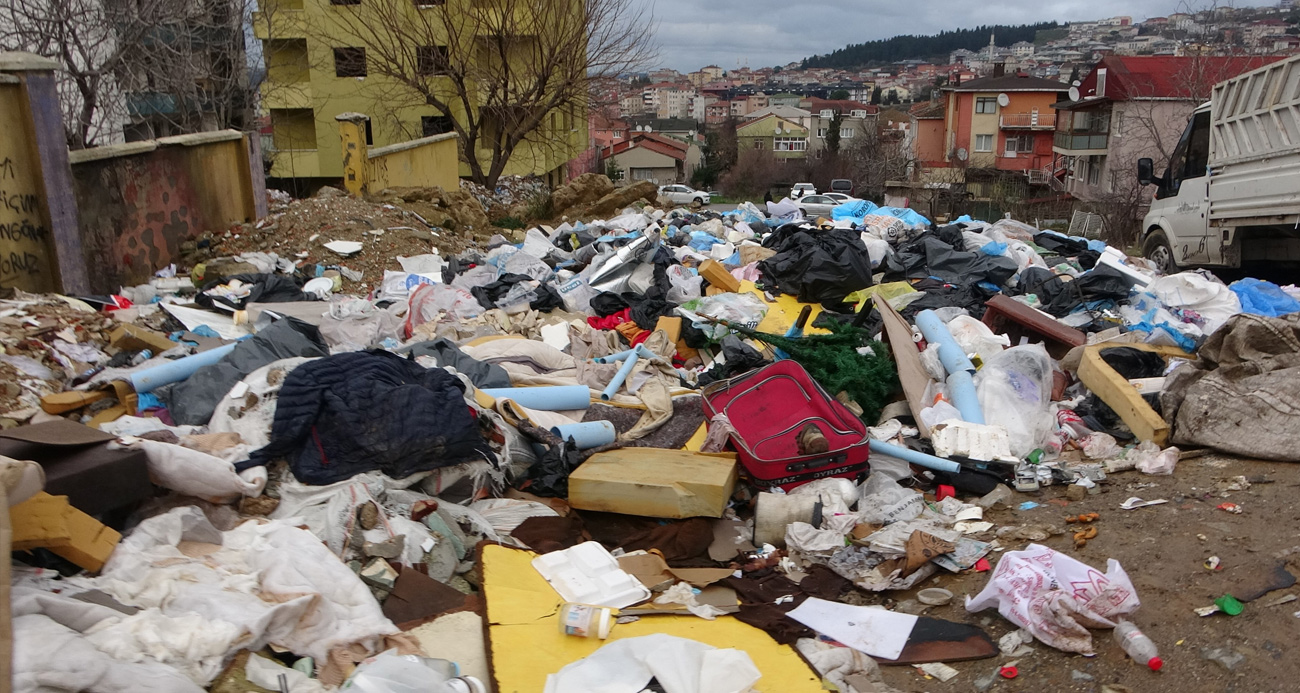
(962, 154)
(1074, 93)
(1004, 100)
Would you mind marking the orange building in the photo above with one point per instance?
(1005, 123)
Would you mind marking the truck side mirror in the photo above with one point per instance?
(1146, 172)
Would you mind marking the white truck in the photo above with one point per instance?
(1231, 191)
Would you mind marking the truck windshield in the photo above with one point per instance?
(1190, 157)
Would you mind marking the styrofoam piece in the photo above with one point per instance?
(1110, 260)
(588, 574)
(971, 440)
(547, 398)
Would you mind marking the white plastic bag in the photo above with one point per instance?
(1148, 458)
(1057, 598)
(974, 337)
(884, 501)
(1015, 391)
(686, 284)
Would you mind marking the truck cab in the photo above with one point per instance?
(1176, 230)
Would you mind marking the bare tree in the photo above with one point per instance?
(498, 70)
(182, 60)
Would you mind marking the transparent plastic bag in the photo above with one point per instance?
(1015, 391)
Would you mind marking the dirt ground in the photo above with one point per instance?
(1163, 548)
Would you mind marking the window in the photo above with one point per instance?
(643, 174)
(986, 104)
(984, 143)
(758, 144)
(435, 125)
(429, 3)
(431, 60)
(1019, 143)
(827, 113)
(1094, 170)
(859, 113)
(370, 134)
(350, 62)
(1190, 156)
(345, 2)
(821, 133)
(789, 144)
(846, 133)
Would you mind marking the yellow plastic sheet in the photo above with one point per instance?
(525, 643)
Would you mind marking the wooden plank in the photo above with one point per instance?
(49, 522)
(1006, 315)
(718, 276)
(653, 482)
(92, 542)
(1116, 391)
(40, 521)
(910, 371)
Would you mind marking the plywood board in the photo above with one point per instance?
(911, 373)
(525, 643)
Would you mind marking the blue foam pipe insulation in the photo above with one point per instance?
(914, 457)
(548, 398)
(953, 358)
(178, 370)
(587, 435)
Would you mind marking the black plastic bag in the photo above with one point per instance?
(816, 266)
(929, 256)
(266, 288)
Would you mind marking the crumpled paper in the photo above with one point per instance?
(1057, 598)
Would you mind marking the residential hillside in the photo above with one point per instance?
(937, 46)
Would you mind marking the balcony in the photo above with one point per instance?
(287, 95)
(1028, 121)
(1080, 143)
(280, 24)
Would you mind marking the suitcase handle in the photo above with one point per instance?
(815, 463)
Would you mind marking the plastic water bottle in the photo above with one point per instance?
(1137, 645)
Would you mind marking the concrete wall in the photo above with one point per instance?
(139, 202)
(40, 246)
(423, 163)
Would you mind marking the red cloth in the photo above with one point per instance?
(610, 322)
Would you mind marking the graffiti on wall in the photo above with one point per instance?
(25, 261)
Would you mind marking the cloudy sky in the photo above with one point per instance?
(764, 33)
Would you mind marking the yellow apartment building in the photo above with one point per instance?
(316, 71)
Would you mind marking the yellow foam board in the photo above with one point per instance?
(782, 313)
(525, 642)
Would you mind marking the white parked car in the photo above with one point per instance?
(814, 206)
(801, 190)
(841, 197)
(683, 195)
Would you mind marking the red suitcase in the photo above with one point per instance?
(768, 407)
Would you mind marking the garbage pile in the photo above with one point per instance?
(711, 447)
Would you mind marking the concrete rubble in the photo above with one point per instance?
(283, 460)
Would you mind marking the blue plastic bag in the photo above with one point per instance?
(1264, 298)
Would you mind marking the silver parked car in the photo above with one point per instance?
(683, 195)
(817, 205)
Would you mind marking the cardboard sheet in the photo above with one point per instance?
(525, 643)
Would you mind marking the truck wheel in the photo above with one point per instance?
(1159, 252)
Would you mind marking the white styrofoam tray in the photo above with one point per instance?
(588, 574)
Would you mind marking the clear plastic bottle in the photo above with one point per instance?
(1137, 645)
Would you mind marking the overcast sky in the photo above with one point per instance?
(764, 33)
